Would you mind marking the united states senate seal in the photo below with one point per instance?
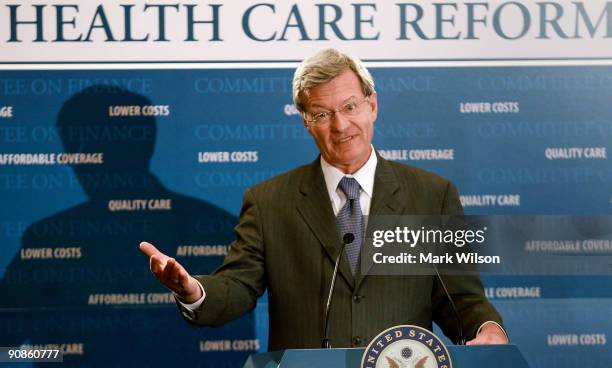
(406, 346)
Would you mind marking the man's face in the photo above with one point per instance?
(345, 141)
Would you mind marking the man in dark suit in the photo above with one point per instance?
(290, 229)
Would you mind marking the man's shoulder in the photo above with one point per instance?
(414, 175)
(405, 174)
(427, 192)
(285, 182)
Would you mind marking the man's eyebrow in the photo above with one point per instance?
(316, 105)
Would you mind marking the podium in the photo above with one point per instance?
(498, 356)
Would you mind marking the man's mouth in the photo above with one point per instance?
(345, 139)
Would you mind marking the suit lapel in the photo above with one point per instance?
(387, 199)
(315, 208)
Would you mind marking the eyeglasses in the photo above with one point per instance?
(352, 108)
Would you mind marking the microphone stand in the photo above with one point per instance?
(346, 239)
(453, 307)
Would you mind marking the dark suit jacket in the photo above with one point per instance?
(287, 241)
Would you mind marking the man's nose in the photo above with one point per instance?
(339, 122)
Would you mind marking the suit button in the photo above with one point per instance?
(356, 341)
(357, 298)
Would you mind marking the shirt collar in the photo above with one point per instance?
(364, 176)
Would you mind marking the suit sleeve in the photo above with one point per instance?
(466, 290)
(233, 289)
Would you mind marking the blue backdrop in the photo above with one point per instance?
(534, 138)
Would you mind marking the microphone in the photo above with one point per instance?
(346, 239)
(453, 307)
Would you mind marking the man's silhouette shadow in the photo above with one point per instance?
(53, 300)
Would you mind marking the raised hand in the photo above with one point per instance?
(170, 273)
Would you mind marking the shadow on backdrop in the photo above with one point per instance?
(56, 300)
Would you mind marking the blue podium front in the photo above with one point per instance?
(498, 356)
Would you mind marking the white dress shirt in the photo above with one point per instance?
(364, 176)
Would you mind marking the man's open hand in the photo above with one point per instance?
(170, 273)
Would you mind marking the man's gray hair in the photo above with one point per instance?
(324, 66)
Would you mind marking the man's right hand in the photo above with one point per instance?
(170, 273)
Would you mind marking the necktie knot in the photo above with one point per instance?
(350, 187)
